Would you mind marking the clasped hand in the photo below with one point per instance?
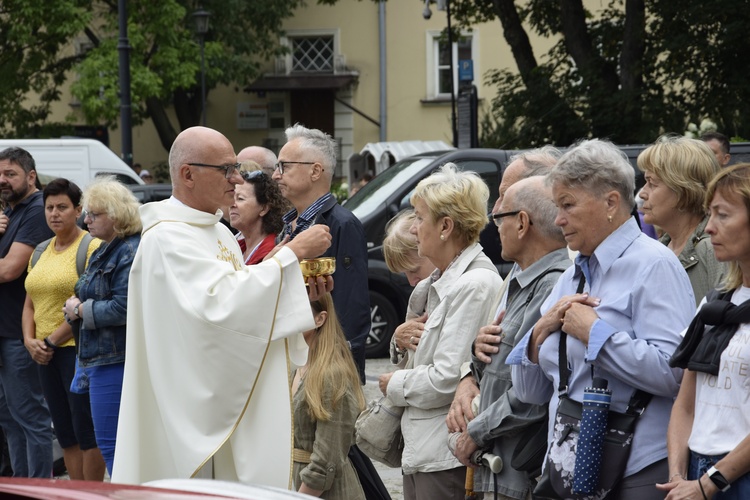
(408, 333)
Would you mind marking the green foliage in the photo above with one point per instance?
(32, 35)
(693, 63)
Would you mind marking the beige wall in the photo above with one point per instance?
(356, 25)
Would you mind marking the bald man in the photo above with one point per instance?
(205, 386)
(260, 155)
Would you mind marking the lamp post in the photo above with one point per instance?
(200, 17)
(123, 48)
(427, 13)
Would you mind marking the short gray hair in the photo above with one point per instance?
(536, 200)
(537, 161)
(598, 166)
(318, 141)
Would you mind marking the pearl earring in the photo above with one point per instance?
(609, 218)
(442, 237)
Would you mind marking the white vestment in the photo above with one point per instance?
(209, 342)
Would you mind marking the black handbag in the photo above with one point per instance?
(528, 455)
(557, 479)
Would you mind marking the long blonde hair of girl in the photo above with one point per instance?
(330, 366)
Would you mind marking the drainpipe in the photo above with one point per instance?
(383, 80)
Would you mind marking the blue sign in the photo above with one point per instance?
(465, 70)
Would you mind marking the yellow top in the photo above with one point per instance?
(50, 283)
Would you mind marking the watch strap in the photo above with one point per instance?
(718, 479)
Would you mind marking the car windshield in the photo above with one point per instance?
(377, 191)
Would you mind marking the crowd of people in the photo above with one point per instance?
(159, 344)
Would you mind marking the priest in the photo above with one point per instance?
(210, 342)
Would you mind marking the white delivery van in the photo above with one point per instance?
(79, 160)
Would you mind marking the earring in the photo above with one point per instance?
(442, 237)
(609, 218)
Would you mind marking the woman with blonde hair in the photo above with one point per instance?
(328, 399)
(100, 301)
(402, 256)
(677, 171)
(709, 430)
(450, 209)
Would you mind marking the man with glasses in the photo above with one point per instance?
(205, 388)
(304, 174)
(530, 238)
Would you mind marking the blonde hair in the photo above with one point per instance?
(399, 245)
(685, 165)
(733, 181)
(460, 196)
(249, 166)
(108, 195)
(330, 366)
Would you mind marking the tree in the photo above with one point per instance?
(165, 57)
(608, 76)
(33, 34)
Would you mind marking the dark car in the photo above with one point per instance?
(151, 192)
(386, 195)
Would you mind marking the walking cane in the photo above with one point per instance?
(469, 485)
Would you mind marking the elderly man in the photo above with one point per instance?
(260, 155)
(206, 389)
(530, 238)
(304, 173)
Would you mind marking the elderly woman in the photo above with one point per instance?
(49, 337)
(402, 256)
(622, 324)
(677, 171)
(100, 301)
(256, 214)
(449, 211)
(709, 433)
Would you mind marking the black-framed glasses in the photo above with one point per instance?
(252, 175)
(91, 215)
(229, 169)
(281, 165)
(498, 218)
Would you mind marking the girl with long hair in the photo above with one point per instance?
(328, 399)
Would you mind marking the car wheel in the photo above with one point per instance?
(384, 320)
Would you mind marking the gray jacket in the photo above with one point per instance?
(502, 417)
(704, 271)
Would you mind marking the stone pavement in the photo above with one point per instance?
(391, 477)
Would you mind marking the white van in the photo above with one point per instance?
(78, 160)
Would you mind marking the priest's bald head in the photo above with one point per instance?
(204, 169)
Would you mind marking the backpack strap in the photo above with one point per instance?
(39, 250)
(81, 253)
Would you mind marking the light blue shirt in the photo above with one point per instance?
(646, 301)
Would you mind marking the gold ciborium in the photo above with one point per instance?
(322, 266)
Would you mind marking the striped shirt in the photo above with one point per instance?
(305, 220)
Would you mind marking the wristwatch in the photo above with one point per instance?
(718, 479)
(75, 311)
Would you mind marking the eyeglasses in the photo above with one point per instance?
(280, 166)
(91, 215)
(498, 218)
(229, 169)
(252, 175)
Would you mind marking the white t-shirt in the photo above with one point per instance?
(722, 403)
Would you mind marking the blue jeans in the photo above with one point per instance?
(699, 465)
(105, 390)
(23, 413)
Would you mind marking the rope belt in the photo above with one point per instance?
(302, 456)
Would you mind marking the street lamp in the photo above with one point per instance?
(427, 13)
(200, 17)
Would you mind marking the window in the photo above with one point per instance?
(439, 62)
(312, 54)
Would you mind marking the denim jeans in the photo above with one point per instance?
(23, 413)
(699, 465)
(105, 392)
